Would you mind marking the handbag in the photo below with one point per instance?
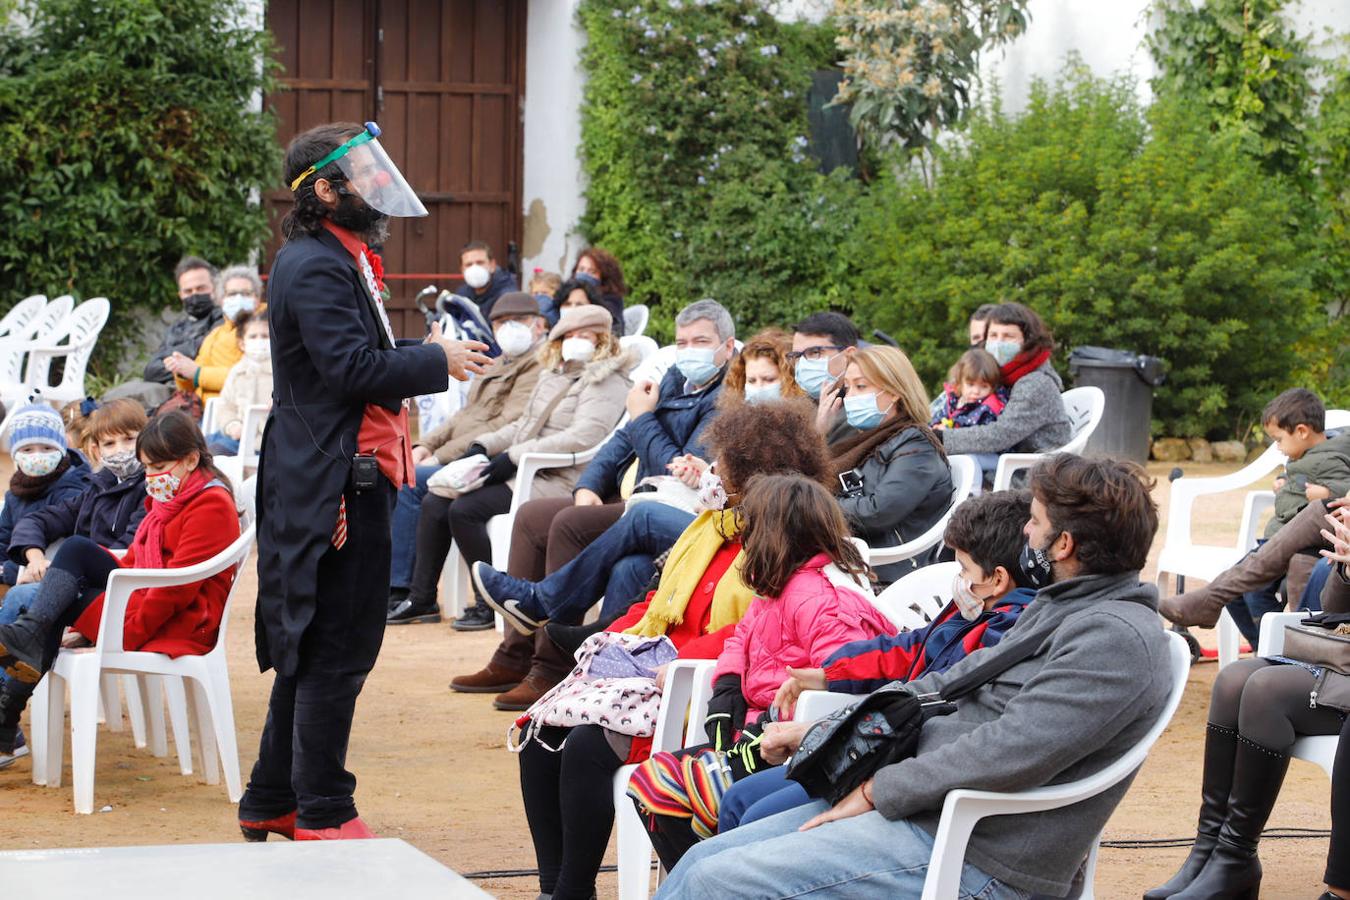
(850, 745)
(1322, 640)
(458, 477)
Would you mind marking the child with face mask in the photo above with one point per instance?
(190, 518)
(249, 382)
(47, 471)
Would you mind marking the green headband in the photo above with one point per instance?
(371, 132)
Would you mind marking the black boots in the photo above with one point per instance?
(21, 649)
(569, 638)
(1215, 784)
(1233, 870)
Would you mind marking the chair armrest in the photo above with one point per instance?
(1271, 641)
(813, 705)
(248, 435)
(1009, 463)
(683, 677)
(1254, 506)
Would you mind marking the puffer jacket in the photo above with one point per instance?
(592, 402)
(1327, 464)
(821, 609)
(495, 398)
(72, 483)
(248, 384)
(218, 353)
(906, 487)
(1034, 419)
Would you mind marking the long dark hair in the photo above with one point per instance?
(788, 520)
(611, 273)
(307, 148)
(171, 436)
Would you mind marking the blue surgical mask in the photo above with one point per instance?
(812, 374)
(696, 364)
(765, 393)
(1003, 351)
(862, 411)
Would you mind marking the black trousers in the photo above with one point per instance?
(1338, 855)
(463, 520)
(303, 753)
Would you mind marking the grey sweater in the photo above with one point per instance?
(1033, 419)
(1094, 688)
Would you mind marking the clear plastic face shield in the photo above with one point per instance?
(371, 175)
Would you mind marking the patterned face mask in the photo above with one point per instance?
(36, 463)
(163, 486)
(967, 603)
(123, 464)
(711, 494)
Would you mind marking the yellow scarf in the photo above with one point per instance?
(685, 565)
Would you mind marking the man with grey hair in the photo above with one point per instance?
(665, 421)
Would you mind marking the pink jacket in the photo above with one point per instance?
(814, 617)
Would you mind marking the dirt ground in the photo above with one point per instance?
(433, 770)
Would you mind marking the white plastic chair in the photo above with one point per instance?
(965, 474)
(679, 723)
(642, 345)
(1183, 558)
(14, 347)
(23, 312)
(917, 599)
(635, 319)
(209, 677)
(1318, 749)
(74, 341)
(963, 809)
(1085, 406)
(245, 462)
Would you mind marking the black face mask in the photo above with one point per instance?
(1036, 564)
(355, 214)
(199, 306)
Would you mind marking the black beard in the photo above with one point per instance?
(353, 213)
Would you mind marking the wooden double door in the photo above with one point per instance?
(444, 79)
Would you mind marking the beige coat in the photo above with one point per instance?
(495, 399)
(591, 406)
(247, 384)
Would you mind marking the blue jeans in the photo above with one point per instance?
(1312, 594)
(13, 605)
(222, 444)
(864, 856)
(403, 529)
(758, 796)
(619, 562)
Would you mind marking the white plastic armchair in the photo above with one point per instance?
(965, 473)
(1320, 750)
(963, 809)
(81, 669)
(245, 462)
(1085, 406)
(1183, 558)
(74, 341)
(917, 599)
(14, 347)
(679, 723)
(641, 346)
(635, 319)
(25, 311)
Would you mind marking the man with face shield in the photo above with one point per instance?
(335, 451)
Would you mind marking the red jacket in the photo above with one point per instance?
(181, 620)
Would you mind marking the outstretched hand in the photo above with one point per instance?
(462, 358)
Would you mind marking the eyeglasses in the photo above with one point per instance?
(814, 353)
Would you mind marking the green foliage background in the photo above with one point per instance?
(127, 139)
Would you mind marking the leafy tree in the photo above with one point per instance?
(129, 137)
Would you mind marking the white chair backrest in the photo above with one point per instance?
(77, 336)
(965, 475)
(14, 347)
(635, 319)
(654, 367)
(25, 311)
(918, 598)
(641, 346)
(1085, 406)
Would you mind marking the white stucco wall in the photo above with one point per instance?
(553, 182)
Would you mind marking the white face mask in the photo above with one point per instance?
(36, 463)
(577, 349)
(257, 349)
(234, 304)
(476, 276)
(514, 338)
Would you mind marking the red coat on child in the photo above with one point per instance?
(182, 620)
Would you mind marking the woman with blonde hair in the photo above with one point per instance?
(576, 402)
(894, 479)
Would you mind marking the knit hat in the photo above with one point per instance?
(574, 317)
(36, 423)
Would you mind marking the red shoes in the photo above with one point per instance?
(258, 831)
(351, 830)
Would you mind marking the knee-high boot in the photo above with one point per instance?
(23, 642)
(1234, 870)
(1216, 781)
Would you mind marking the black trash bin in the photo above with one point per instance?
(1127, 379)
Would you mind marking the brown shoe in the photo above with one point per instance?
(488, 680)
(521, 697)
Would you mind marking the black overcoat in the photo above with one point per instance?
(330, 358)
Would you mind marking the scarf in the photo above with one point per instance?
(854, 451)
(1021, 364)
(149, 540)
(26, 487)
(684, 569)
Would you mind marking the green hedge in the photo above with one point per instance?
(1123, 228)
(127, 140)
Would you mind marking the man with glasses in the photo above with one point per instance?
(821, 346)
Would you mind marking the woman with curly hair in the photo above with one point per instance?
(761, 372)
(597, 279)
(697, 603)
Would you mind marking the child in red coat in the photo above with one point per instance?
(191, 517)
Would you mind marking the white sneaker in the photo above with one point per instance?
(20, 750)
